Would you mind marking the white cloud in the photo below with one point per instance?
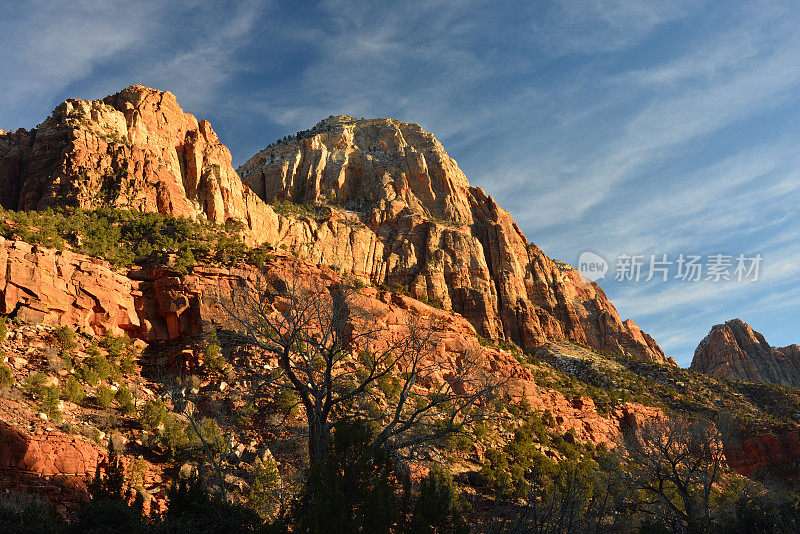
(597, 26)
(187, 47)
(47, 46)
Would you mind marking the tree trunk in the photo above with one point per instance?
(318, 437)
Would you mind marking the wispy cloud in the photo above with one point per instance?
(187, 47)
(47, 46)
(630, 126)
(597, 26)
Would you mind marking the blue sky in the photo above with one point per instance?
(630, 127)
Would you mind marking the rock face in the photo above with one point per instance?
(47, 452)
(48, 287)
(136, 149)
(420, 224)
(773, 452)
(411, 217)
(735, 350)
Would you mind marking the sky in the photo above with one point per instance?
(629, 128)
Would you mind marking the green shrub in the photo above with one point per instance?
(153, 414)
(89, 375)
(101, 366)
(109, 485)
(122, 237)
(93, 349)
(125, 400)
(345, 493)
(213, 360)
(65, 338)
(73, 390)
(50, 397)
(173, 437)
(34, 384)
(262, 497)
(192, 510)
(390, 386)
(6, 376)
(457, 441)
(104, 396)
(439, 507)
(286, 401)
(258, 256)
(185, 260)
(213, 435)
(115, 345)
(128, 364)
(508, 471)
(27, 513)
(480, 431)
(244, 415)
(3, 329)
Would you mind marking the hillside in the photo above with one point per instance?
(126, 234)
(418, 223)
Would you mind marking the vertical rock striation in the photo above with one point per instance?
(427, 228)
(136, 149)
(397, 209)
(735, 350)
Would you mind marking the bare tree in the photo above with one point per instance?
(215, 443)
(674, 464)
(333, 352)
(572, 497)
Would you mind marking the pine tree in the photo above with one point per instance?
(108, 485)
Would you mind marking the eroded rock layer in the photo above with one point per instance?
(399, 210)
(425, 227)
(735, 350)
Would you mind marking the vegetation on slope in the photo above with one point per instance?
(522, 473)
(126, 237)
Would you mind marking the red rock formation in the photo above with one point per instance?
(52, 453)
(735, 350)
(50, 287)
(135, 149)
(774, 451)
(421, 224)
(427, 228)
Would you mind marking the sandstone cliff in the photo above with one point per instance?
(136, 149)
(398, 209)
(735, 350)
(158, 304)
(425, 227)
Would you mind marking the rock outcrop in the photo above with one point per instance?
(45, 286)
(47, 454)
(40, 449)
(136, 149)
(417, 222)
(399, 211)
(735, 350)
(770, 452)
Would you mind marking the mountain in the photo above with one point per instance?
(427, 229)
(100, 346)
(136, 149)
(389, 207)
(735, 350)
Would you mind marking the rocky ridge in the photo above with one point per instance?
(735, 350)
(391, 208)
(136, 149)
(424, 226)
